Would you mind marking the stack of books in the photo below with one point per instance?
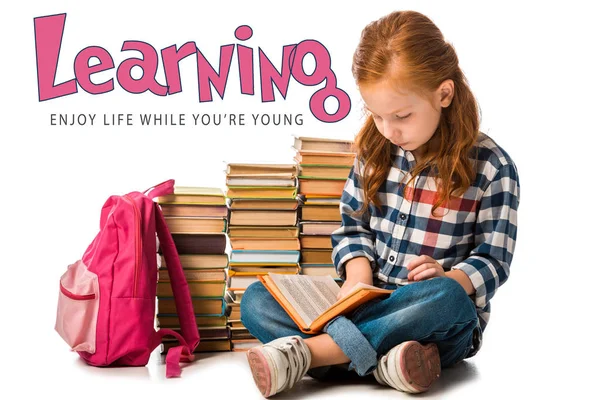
(324, 166)
(197, 220)
(262, 230)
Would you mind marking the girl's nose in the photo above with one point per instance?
(388, 130)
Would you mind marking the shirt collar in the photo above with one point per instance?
(405, 159)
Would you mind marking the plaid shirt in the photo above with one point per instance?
(476, 232)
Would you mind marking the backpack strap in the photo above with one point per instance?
(175, 355)
(190, 336)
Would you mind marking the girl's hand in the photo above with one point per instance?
(424, 267)
(357, 270)
(349, 284)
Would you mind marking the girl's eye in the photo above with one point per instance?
(406, 116)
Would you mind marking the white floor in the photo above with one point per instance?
(538, 344)
(499, 372)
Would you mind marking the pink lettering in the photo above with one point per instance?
(245, 60)
(83, 70)
(48, 37)
(148, 62)
(269, 74)
(171, 57)
(207, 75)
(94, 59)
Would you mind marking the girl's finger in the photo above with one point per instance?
(428, 273)
(418, 270)
(415, 262)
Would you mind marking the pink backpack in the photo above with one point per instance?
(106, 305)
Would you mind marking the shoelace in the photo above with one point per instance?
(297, 361)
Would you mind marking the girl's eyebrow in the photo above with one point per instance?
(400, 109)
(393, 112)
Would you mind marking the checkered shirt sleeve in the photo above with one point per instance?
(354, 238)
(495, 235)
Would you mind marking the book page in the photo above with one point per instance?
(309, 295)
(358, 287)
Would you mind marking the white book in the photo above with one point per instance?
(260, 182)
(264, 256)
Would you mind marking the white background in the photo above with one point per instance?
(531, 66)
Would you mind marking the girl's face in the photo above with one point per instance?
(401, 116)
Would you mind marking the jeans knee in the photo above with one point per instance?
(250, 306)
(450, 292)
(450, 288)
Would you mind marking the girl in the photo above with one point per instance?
(429, 210)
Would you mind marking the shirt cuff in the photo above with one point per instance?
(341, 264)
(477, 280)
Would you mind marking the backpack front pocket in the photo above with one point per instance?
(78, 302)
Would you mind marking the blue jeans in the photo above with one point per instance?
(437, 310)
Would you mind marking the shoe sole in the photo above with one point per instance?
(419, 365)
(261, 372)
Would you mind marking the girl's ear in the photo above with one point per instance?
(446, 91)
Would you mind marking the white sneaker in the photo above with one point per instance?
(409, 367)
(276, 366)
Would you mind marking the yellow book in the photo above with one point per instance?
(199, 261)
(324, 171)
(262, 232)
(275, 170)
(172, 321)
(262, 270)
(197, 289)
(324, 158)
(203, 346)
(262, 204)
(193, 210)
(316, 242)
(321, 213)
(210, 306)
(330, 187)
(322, 144)
(196, 224)
(194, 195)
(314, 302)
(263, 217)
(237, 265)
(198, 275)
(254, 192)
(264, 244)
(315, 256)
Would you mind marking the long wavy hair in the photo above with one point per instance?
(412, 40)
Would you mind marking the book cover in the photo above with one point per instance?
(313, 302)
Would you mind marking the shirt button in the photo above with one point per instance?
(392, 258)
(402, 217)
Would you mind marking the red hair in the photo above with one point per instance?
(407, 48)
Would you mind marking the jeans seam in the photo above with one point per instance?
(446, 331)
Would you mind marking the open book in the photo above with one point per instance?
(311, 301)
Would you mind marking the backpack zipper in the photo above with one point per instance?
(76, 296)
(138, 248)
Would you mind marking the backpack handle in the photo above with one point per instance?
(181, 291)
(166, 187)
